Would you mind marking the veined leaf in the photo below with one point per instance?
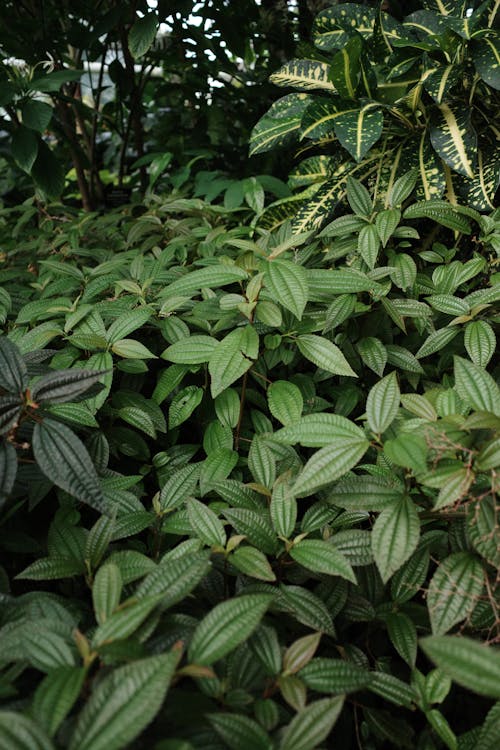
(322, 557)
(321, 352)
(183, 405)
(65, 461)
(300, 653)
(454, 590)
(285, 401)
(233, 356)
(206, 525)
(194, 350)
(239, 732)
(124, 621)
(395, 535)
(334, 676)
(316, 211)
(366, 493)
(304, 75)
(454, 140)
(403, 634)
(373, 353)
(469, 663)
(310, 726)
(480, 342)
(210, 277)
(13, 370)
(307, 608)
(128, 323)
(359, 131)
(280, 125)
(329, 464)
(252, 562)
(319, 430)
(179, 486)
(106, 591)
(226, 626)
(142, 34)
(124, 703)
(287, 283)
(65, 385)
(476, 386)
(132, 349)
(319, 119)
(283, 508)
(256, 526)
(19, 732)
(382, 403)
(56, 695)
(175, 577)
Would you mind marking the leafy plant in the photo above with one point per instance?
(380, 97)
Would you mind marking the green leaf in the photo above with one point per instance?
(194, 350)
(283, 508)
(65, 385)
(408, 451)
(386, 222)
(300, 653)
(346, 68)
(441, 212)
(322, 557)
(124, 703)
(310, 726)
(395, 536)
(19, 732)
(36, 115)
(255, 525)
(382, 404)
(483, 528)
(392, 689)
(56, 695)
(369, 245)
(179, 486)
(124, 621)
(471, 664)
(175, 578)
(304, 75)
(8, 470)
(234, 355)
(52, 81)
(403, 188)
(476, 387)
(287, 282)
(373, 353)
(358, 131)
(64, 460)
(252, 562)
(403, 634)
(307, 608)
(455, 140)
(206, 525)
(226, 626)
(227, 407)
(48, 652)
(285, 401)
(239, 732)
(319, 431)
(436, 340)
(329, 464)
(280, 125)
(128, 323)
(454, 591)
(366, 492)
(321, 352)
(486, 56)
(217, 466)
(334, 26)
(490, 730)
(24, 147)
(480, 342)
(142, 34)
(132, 349)
(13, 370)
(334, 676)
(51, 568)
(183, 405)
(47, 172)
(106, 591)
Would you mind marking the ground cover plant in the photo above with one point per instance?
(248, 474)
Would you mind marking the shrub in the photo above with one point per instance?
(285, 480)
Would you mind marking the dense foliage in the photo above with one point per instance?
(248, 474)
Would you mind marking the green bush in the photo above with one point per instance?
(247, 477)
(285, 479)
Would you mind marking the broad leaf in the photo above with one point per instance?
(321, 352)
(471, 664)
(329, 464)
(382, 404)
(233, 356)
(322, 557)
(312, 724)
(454, 591)
(142, 34)
(395, 536)
(287, 283)
(226, 626)
(56, 695)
